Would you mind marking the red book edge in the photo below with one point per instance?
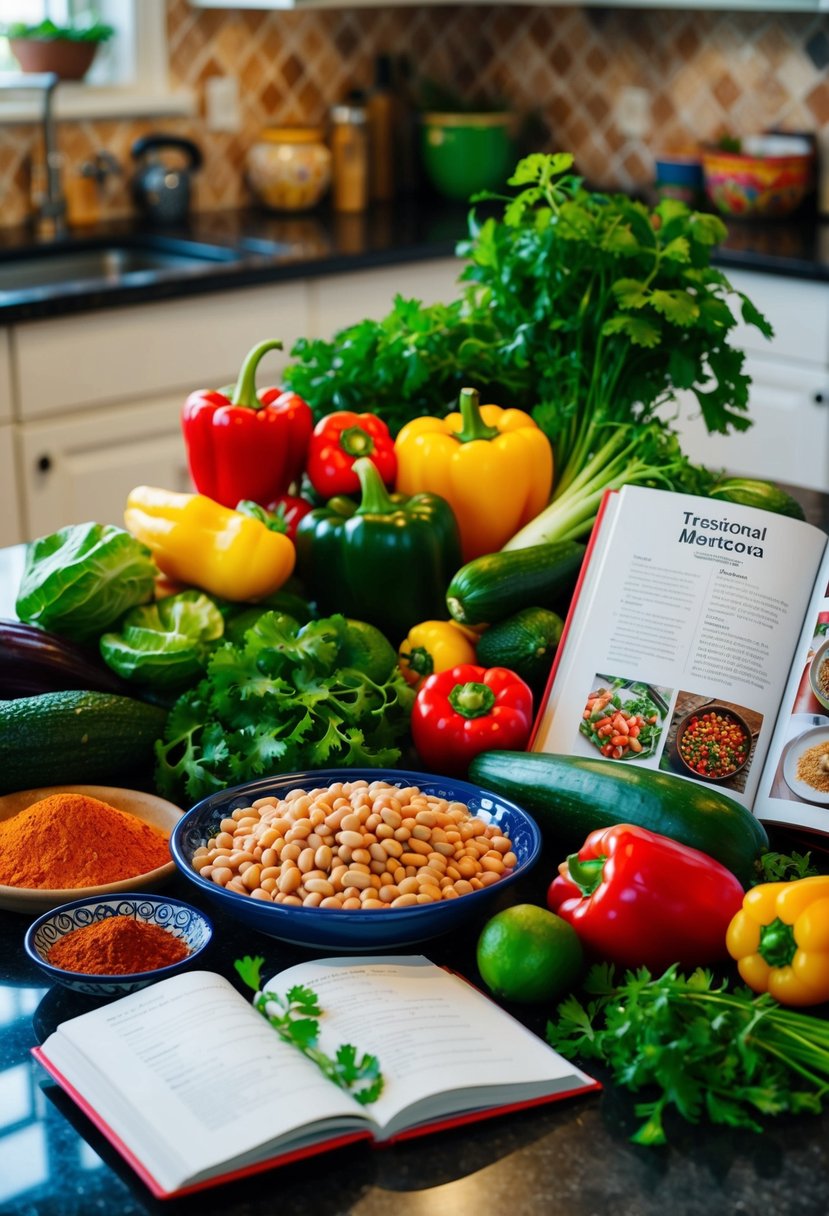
(588, 554)
(295, 1154)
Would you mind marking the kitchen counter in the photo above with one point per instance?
(572, 1157)
(269, 248)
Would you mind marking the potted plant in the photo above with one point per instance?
(66, 50)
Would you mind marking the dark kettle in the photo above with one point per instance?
(162, 190)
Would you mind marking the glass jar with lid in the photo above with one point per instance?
(289, 168)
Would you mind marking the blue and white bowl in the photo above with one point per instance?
(343, 930)
(181, 919)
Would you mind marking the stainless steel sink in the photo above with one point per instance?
(118, 263)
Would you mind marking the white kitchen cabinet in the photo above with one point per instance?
(338, 300)
(10, 522)
(789, 393)
(99, 395)
(81, 467)
(6, 411)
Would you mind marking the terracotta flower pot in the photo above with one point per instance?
(67, 58)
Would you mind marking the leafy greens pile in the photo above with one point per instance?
(589, 310)
(283, 699)
(703, 1050)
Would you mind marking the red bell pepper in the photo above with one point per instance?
(281, 515)
(640, 899)
(469, 709)
(337, 441)
(244, 444)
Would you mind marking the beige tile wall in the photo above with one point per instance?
(704, 73)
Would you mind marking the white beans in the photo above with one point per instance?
(355, 845)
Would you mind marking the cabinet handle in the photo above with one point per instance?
(820, 397)
(44, 464)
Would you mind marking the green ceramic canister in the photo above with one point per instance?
(463, 152)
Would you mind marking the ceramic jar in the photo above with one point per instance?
(289, 168)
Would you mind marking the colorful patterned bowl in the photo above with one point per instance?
(181, 919)
(743, 184)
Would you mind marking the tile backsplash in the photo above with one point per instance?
(699, 74)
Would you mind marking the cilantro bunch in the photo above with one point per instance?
(283, 699)
(707, 1051)
(589, 310)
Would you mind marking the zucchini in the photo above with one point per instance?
(525, 643)
(752, 492)
(496, 585)
(570, 797)
(76, 737)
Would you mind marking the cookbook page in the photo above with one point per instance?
(795, 784)
(188, 1076)
(680, 643)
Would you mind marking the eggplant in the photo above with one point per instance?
(33, 661)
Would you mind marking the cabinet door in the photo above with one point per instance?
(82, 467)
(341, 300)
(789, 440)
(11, 532)
(139, 353)
(6, 408)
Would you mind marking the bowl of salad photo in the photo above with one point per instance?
(713, 742)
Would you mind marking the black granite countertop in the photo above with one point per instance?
(252, 247)
(572, 1158)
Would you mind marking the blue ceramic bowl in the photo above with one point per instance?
(337, 929)
(178, 918)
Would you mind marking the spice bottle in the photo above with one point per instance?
(349, 158)
(380, 112)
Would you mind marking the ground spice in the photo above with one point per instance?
(813, 767)
(72, 840)
(118, 945)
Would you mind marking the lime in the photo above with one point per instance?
(529, 955)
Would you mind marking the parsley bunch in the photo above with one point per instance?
(282, 700)
(707, 1051)
(295, 1018)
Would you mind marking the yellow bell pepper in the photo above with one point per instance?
(494, 466)
(197, 541)
(780, 940)
(434, 646)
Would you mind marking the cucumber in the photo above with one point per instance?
(74, 738)
(569, 797)
(525, 643)
(753, 492)
(496, 585)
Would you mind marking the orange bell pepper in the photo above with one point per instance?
(494, 466)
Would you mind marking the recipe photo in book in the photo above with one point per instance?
(689, 647)
(193, 1086)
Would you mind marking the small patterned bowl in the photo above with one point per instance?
(181, 919)
(757, 184)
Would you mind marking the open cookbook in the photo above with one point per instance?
(193, 1086)
(695, 644)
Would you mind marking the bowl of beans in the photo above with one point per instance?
(354, 859)
(109, 945)
(713, 742)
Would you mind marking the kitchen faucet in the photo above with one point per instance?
(52, 205)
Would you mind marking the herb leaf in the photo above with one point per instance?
(700, 1048)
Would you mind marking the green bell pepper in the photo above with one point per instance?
(387, 561)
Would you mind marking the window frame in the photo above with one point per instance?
(144, 58)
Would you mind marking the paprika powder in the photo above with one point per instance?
(70, 840)
(117, 945)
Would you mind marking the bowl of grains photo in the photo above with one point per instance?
(806, 765)
(355, 859)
